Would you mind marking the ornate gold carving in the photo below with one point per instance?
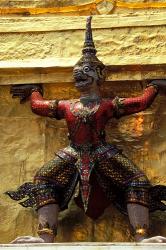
(103, 7)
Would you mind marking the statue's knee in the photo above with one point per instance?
(139, 181)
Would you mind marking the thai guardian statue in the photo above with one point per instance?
(104, 174)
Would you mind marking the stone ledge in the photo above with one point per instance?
(134, 63)
(63, 23)
(86, 246)
(53, 71)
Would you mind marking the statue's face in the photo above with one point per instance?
(85, 74)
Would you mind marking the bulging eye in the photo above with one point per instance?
(86, 69)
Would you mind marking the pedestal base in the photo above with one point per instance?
(85, 246)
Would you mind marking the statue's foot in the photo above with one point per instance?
(27, 240)
(155, 239)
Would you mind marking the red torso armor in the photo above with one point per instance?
(86, 124)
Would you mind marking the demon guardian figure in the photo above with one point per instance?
(104, 174)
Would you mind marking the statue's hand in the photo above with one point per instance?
(155, 239)
(23, 91)
(161, 84)
(27, 239)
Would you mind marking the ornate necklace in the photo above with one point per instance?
(84, 112)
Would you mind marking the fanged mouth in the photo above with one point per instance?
(82, 84)
(81, 80)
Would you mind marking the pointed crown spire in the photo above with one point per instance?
(89, 47)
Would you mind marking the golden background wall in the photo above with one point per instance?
(43, 49)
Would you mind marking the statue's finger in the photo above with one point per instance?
(27, 239)
(14, 87)
(17, 92)
(17, 95)
(24, 237)
(12, 90)
(162, 239)
(15, 241)
(35, 240)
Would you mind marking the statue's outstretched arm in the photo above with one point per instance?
(39, 105)
(43, 107)
(127, 106)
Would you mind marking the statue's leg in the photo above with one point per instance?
(124, 175)
(136, 185)
(51, 191)
(57, 172)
